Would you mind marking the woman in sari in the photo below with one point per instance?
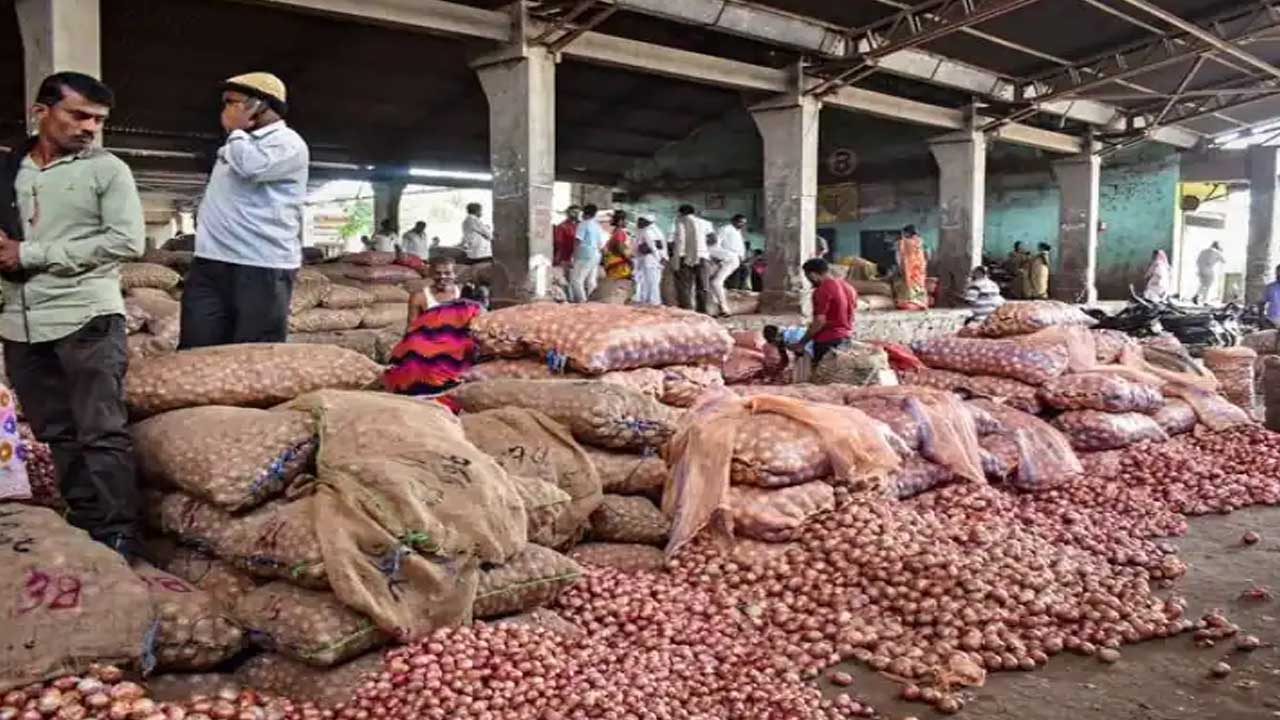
(1158, 277)
(617, 250)
(911, 292)
(437, 347)
(1038, 274)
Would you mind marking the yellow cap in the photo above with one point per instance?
(262, 85)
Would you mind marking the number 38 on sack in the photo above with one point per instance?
(41, 590)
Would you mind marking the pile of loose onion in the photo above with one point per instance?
(933, 591)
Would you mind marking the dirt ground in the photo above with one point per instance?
(1161, 680)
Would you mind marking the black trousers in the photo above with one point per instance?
(820, 349)
(72, 392)
(224, 304)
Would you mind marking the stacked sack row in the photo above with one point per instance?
(153, 315)
(302, 517)
(618, 379)
(1041, 359)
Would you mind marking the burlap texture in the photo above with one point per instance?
(628, 473)
(682, 385)
(66, 600)
(147, 275)
(629, 519)
(527, 443)
(531, 579)
(545, 504)
(235, 458)
(386, 314)
(193, 631)
(219, 578)
(311, 626)
(259, 375)
(342, 297)
(324, 320)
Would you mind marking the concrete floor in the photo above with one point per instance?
(1162, 680)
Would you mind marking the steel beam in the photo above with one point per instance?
(1224, 46)
(749, 20)
(436, 16)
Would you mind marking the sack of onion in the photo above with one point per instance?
(622, 519)
(1101, 392)
(1022, 318)
(527, 443)
(276, 540)
(193, 630)
(627, 557)
(222, 581)
(280, 674)
(1031, 364)
(324, 320)
(682, 385)
(778, 515)
(1175, 417)
(534, 577)
(1010, 392)
(595, 338)
(310, 626)
(627, 473)
(1028, 452)
(66, 599)
(545, 505)
(235, 458)
(599, 414)
(1093, 430)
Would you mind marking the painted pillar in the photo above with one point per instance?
(386, 202)
(1079, 182)
(59, 35)
(962, 180)
(1262, 253)
(520, 82)
(788, 124)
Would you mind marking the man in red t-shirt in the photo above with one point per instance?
(565, 238)
(834, 302)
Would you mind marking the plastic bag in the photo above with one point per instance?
(779, 515)
(1093, 430)
(1009, 392)
(1105, 393)
(948, 435)
(1176, 417)
(1033, 455)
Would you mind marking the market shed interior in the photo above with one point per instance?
(1064, 121)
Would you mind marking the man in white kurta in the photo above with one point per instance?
(729, 248)
(648, 250)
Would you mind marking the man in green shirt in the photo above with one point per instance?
(69, 215)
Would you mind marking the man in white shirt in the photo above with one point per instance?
(727, 253)
(414, 242)
(477, 236)
(692, 259)
(648, 254)
(385, 239)
(249, 232)
(589, 242)
(1211, 258)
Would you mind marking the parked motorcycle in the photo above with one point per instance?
(1195, 326)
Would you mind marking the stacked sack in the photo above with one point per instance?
(368, 318)
(228, 441)
(153, 314)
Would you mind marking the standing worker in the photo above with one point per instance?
(729, 251)
(385, 239)
(414, 242)
(1211, 258)
(1270, 305)
(477, 236)
(913, 261)
(586, 256)
(565, 238)
(248, 240)
(649, 253)
(1157, 278)
(692, 259)
(69, 214)
(1038, 274)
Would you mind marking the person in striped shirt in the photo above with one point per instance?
(982, 295)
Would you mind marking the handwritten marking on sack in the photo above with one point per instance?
(41, 590)
(454, 470)
(11, 534)
(521, 454)
(269, 538)
(160, 582)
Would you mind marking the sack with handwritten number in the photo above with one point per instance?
(193, 631)
(310, 626)
(66, 601)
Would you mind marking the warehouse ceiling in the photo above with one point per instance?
(390, 96)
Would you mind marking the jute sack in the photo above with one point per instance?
(147, 275)
(858, 364)
(193, 630)
(309, 290)
(223, 582)
(66, 600)
(779, 515)
(259, 375)
(626, 519)
(627, 557)
(386, 314)
(277, 540)
(531, 579)
(135, 316)
(1033, 365)
(161, 331)
(1024, 318)
(682, 385)
(614, 292)
(599, 414)
(342, 297)
(545, 504)
(646, 381)
(509, 369)
(382, 274)
(324, 320)
(311, 626)
(1013, 393)
(629, 474)
(326, 687)
(363, 341)
(409, 510)
(369, 258)
(235, 458)
(527, 443)
(388, 293)
(1093, 430)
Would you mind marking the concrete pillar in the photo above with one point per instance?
(962, 180)
(1079, 182)
(520, 82)
(1263, 252)
(58, 35)
(788, 125)
(386, 202)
